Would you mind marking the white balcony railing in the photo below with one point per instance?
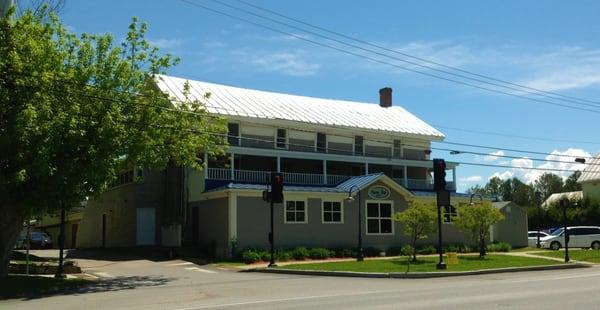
(306, 178)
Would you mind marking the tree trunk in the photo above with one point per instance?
(11, 224)
(414, 249)
(481, 247)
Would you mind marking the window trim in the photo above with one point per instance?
(285, 221)
(323, 201)
(391, 202)
(354, 145)
(324, 148)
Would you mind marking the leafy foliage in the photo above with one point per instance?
(75, 110)
(476, 220)
(418, 221)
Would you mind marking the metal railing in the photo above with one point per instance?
(307, 178)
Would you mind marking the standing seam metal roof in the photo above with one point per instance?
(591, 172)
(233, 101)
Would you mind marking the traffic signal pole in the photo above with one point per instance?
(442, 199)
(272, 238)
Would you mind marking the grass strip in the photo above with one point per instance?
(426, 264)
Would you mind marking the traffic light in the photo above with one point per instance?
(439, 174)
(277, 187)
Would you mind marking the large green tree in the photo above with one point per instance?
(548, 184)
(418, 221)
(74, 110)
(476, 220)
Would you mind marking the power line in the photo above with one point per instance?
(412, 56)
(489, 133)
(511, 150)
(380, 141)
(326, 148)
(387, 63)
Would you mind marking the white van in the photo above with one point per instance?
(579, 237)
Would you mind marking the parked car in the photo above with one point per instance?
(579, 237)
(532, 237)
(40, 239)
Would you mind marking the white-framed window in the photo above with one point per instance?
(321, 142)
(295, 212)
(450, 214)
(379, 217)
(359, 148)
(281, 142)
(333, 213)
(233, 134)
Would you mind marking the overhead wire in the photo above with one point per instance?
(436, 63)
(385, 62)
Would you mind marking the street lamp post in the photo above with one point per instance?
(564, 203)
(359, 256)
(538, 201)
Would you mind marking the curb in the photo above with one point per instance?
(416, 275)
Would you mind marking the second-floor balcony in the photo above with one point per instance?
(263, 177)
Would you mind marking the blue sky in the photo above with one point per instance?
(551, 45)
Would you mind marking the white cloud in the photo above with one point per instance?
(567, 162)
(166, 43)
(473, 178)
(287, 63)
(565, 68)
(493, 156)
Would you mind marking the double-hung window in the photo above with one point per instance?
(295, 212)
(379, 218)
(358, 145)
(281, 139)
(321, 142)
(233, 135)
(332, 212)
(449, 213)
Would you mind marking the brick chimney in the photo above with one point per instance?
(385, 97)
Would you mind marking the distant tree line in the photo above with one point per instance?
(532, 195)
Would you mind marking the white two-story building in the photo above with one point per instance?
(327, 151)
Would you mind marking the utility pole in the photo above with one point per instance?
(4, 7)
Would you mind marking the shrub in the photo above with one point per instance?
(300, 253)
(499, 247)
(250, 256)
(265, 255)
(344, 252)
(406, 250)
(394, 251)
(371, 251)
(319, 253)
(283, 255)
(427, 250)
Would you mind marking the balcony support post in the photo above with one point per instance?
(232, 164)
(325, 171)
(278, 164)
(366, 168)
(205, 165)
(405, 176)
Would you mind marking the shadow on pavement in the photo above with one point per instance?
(120, 254)
(105, 285)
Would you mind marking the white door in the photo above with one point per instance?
(145, 229)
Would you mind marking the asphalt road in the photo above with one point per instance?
(143, 284)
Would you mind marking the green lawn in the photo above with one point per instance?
(592, 256)
(528, 249)
(426, 264)
(19, 286)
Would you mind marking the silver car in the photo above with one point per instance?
(579, 237)
(532, 237)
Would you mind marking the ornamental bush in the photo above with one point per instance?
(300, 253)
(319, 253)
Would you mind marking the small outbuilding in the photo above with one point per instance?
(513, 229)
